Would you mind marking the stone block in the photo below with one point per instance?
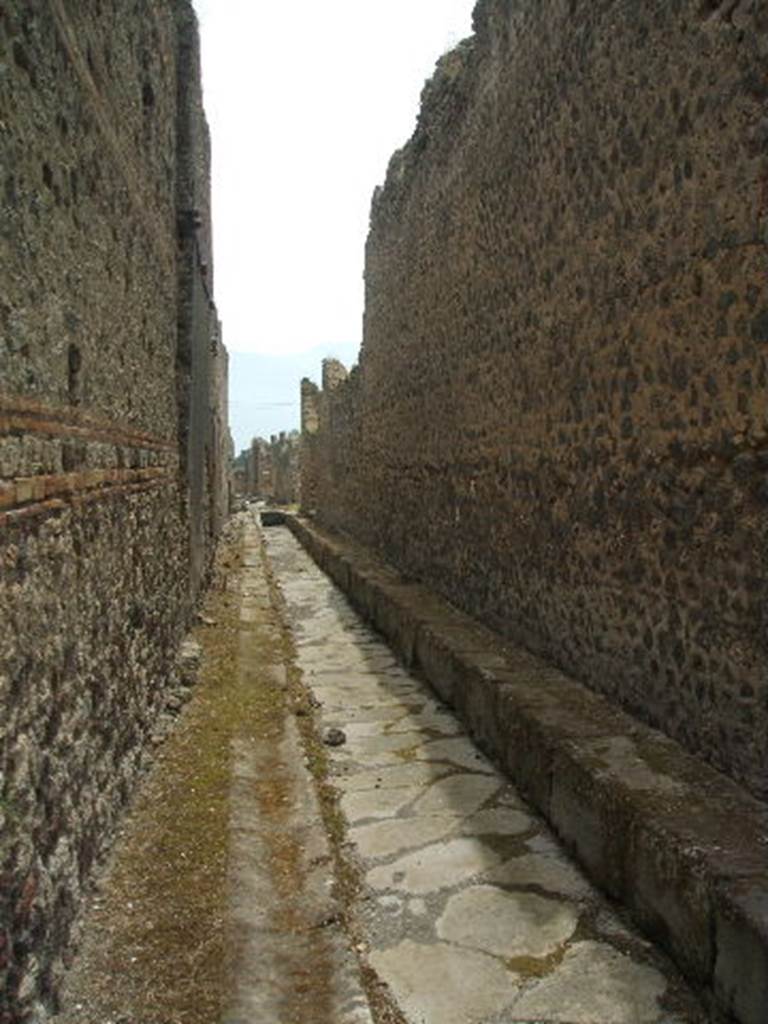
(668, 887)
(741, 940)
(395, 618)
(590, 818)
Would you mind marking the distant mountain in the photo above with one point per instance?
(264, 389)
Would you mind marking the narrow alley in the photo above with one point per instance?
(486, 349)
(320, 843)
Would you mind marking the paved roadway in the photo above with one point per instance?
(411, 886)
(469, 910)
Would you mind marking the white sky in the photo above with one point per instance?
(307, 100)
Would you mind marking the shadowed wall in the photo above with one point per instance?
(559, 415)
(113, 439)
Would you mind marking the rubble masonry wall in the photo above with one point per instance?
(113, 437)
(558, 419)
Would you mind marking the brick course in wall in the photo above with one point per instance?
(558, 419)
(114, 448)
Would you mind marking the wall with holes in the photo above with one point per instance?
(559, 415)
(113, 436)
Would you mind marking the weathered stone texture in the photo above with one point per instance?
(559, 417)
(88, 229)
(284, 452)
(113, 437)
(200, 356)
(270, 469)
(312, 447)
(332, 449)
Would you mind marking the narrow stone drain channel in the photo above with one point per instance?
(467, 910)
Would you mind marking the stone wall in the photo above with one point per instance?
(113, 439)
(332, 452)
(285, 468)
(559, 416)
(260, 468)
(314, 447)
(270, 469)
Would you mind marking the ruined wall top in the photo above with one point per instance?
(334, 372)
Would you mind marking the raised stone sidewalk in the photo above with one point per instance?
(449, 850)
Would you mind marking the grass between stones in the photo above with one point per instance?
(154, 942)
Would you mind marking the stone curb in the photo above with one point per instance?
(679, 844)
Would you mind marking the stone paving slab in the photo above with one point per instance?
(683, 847)
(276, 934)
(470, 911)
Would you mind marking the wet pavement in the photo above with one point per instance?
(468, 910)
